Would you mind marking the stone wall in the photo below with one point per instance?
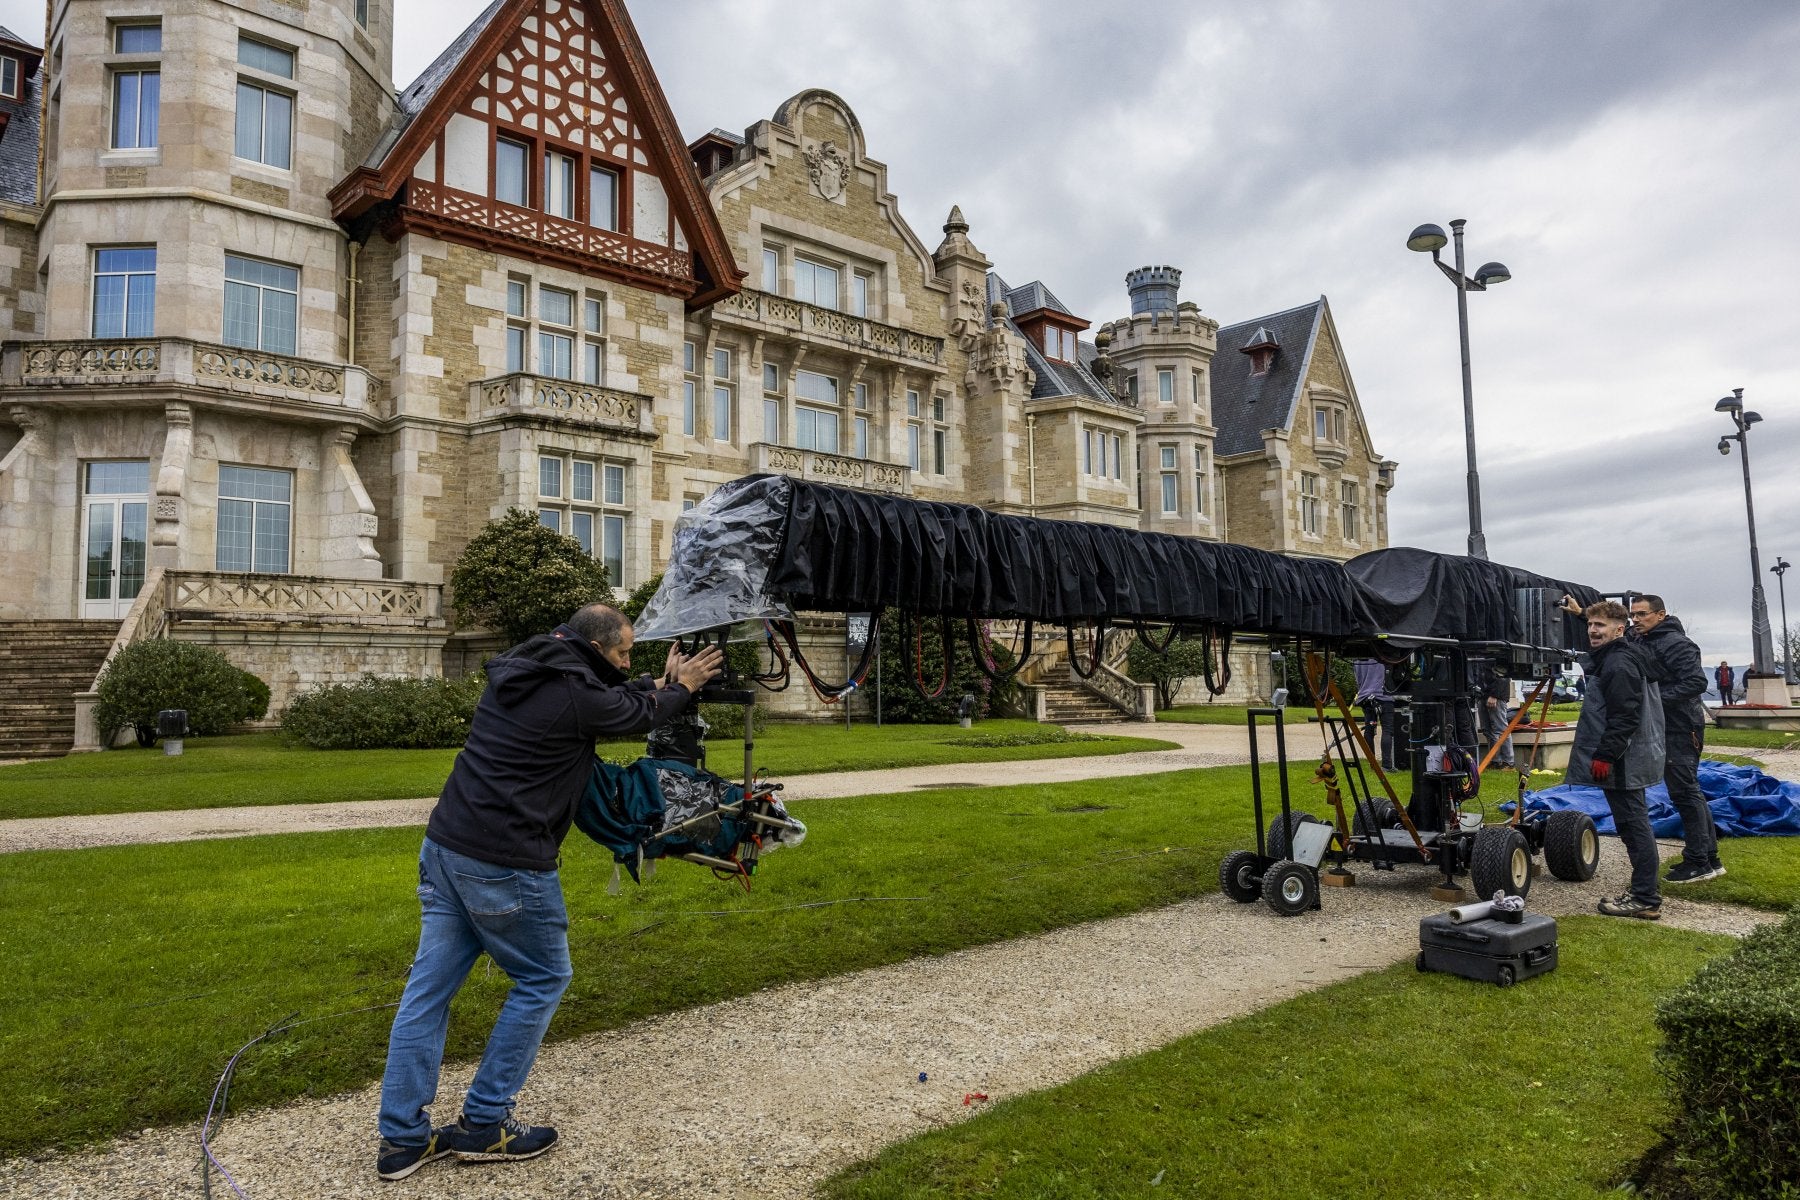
(295, 658)
(21, 299)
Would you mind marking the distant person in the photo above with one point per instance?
(1377, 700)
(1619, 749)
(1682, 681)
(1497, 703)
(1726, 678)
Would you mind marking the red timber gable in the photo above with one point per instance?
(550, 139)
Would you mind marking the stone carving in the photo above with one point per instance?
(828, 169)
(270, 371)
(79, 360)
(168, 508)
(581, 402)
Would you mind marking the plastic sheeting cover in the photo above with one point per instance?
(1422, 594)
(719, 570)
(1745, 802)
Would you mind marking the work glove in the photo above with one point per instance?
(1602, 771)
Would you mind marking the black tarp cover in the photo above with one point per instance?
(767, 546)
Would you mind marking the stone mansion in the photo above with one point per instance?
(280, 338)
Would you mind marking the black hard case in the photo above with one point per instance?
(1487, 950)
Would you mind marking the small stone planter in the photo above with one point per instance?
(1554, 744)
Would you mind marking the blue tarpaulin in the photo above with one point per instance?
(1745, 802)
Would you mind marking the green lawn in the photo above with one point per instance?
(1391, 1085)
(256, 769)
(1217, 714)
(1759, 872)
(1757, 739)
(134, 972)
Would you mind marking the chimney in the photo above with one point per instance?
(1153, 289)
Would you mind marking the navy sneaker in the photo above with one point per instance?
(395, 1161)
(505, 1142)
(1686, 872)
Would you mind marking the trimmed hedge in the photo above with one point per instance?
(1732, 1056)
(146, 677)
(378, 713)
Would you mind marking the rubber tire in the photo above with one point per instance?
(1506, 976)
(1571, 846)
(1290, 888)
(1238, 878)
(1279, 839)
(1419, 962)
(1387, 816)
(1501, 855)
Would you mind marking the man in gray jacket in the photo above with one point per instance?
(1619, 749)
(1681, 679)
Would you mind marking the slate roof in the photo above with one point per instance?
(1243, 405)
(19, 147)
(1053, 378)
(420, 92)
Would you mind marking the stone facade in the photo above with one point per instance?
(511, 285)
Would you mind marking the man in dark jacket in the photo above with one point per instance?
(488, 876)
(1619, 749)
(1681, 679)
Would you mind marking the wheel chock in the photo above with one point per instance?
(1338, 877)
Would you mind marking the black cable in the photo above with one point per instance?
(979, 642)
(1098, 655)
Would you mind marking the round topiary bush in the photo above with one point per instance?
(377, 713)
(520, 579)
(147, 677)
(256, 694)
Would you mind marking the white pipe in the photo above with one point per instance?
(1471, 912)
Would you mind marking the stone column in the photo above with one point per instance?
(171, 485)
(347, 547)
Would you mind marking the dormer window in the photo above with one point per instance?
(1262, 348)
(1328, 424)
(9, 77)
(1061, 344)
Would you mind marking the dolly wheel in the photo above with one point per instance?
(1238, 877)
(1290, 888)
(1571, 846)
(1501, 862)
(1506, 976)
(1385, 813)
(1281, 838)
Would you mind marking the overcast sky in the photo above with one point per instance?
(1633, 162)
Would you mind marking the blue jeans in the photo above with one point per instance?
(469, 906)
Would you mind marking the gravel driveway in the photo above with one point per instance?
(764, 1096)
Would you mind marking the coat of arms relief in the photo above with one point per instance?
(828, 169)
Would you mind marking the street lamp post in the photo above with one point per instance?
(1762, 650)
(1430, 238)
(1780, 570)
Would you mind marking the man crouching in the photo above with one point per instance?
(1619, 749)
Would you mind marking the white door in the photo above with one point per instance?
(115, 536)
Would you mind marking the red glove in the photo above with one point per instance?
(1602, 771)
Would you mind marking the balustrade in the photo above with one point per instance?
(538, 395)
(180, 362)
(819, 467)
(859, 332)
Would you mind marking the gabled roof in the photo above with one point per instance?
(1243, 404)
(1054, 378)
(426, 105)
(19, 124)
(1035, 297)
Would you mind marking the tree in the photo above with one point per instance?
(1185, 660)
(521, 578)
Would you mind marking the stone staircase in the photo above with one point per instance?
(42, 665)
(1065, 703)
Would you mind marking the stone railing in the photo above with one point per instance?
(859, 333)
(1136, 700)
(219, 596)
(816, 466)
(520, 394)
(179, 362)
(523, 223)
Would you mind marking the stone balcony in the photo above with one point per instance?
(764, 313)
(815, 466)
(160, 364)
(522, 395)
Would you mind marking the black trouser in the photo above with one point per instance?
(1631, 820)
(1680, 775)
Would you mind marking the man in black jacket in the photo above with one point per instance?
(488, 876)
(1682, 680)
(1619, 749)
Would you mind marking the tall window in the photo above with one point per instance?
(517, 331)
(512, 185)
(1170, 489)
(593, 345)
(859, 294)
(559, 184)
(603, 198)
(1200, 481)
(556, 333)
(771, 270)
(914, 434)
(1197, 387)
(815, 283)
(255, 519)
(690, 390)
(362, 13)
(862, 437)
(722, 395)
(1310, 521)
(1349, 510)
(265, 115)
(860, 392)
(262, 305)
(9, 77)
(1165, 387)
(1118, 467)
(136, 87)
(815, 428)
(586, 500)
(125, 292)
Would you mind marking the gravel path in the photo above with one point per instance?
(1201, 746)
(808, 1078)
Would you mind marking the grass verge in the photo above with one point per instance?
(1394, 1084)
(134, 972)
(258, 769)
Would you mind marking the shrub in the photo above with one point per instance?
(146, 677)
(1732, 1057)
(901, 702)
(256, 697)
(377, 713)
(1185, 659)
(520, 579)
